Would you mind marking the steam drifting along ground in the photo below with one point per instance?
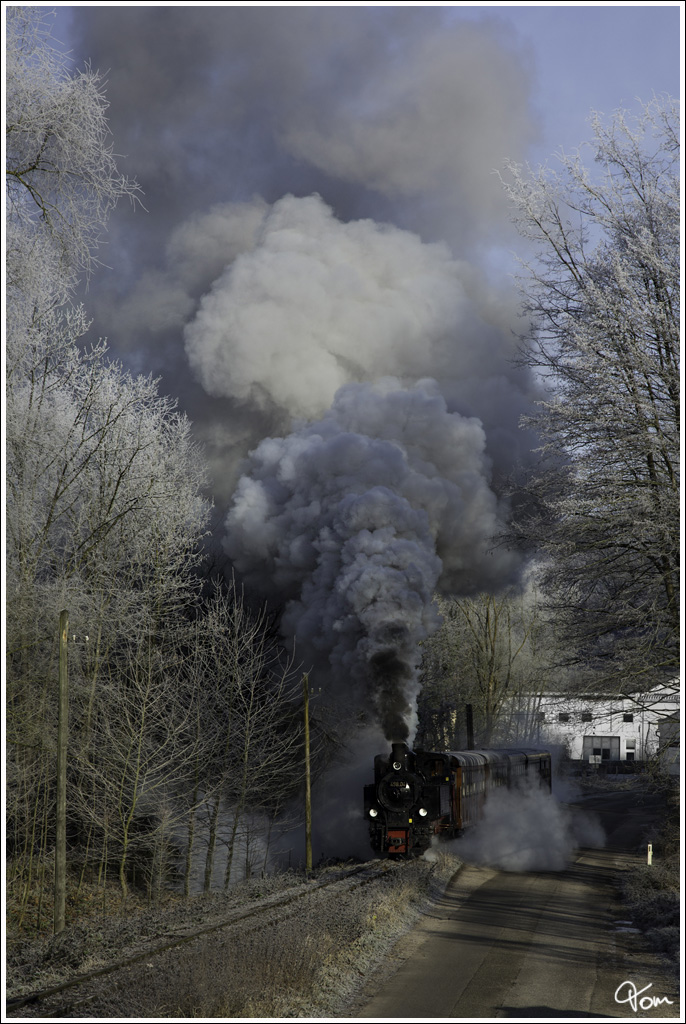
(527, 829)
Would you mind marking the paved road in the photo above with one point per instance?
(533, 945)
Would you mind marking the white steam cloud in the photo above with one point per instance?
(284, 303)
(355, 520)
(526, 829)
(316, 303)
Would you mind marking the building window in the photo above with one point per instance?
(563, 717)
(605, 748)
(628, 718)
(586, 716)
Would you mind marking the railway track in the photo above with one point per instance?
(61, 1000)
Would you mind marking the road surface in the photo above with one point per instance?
(535, 945)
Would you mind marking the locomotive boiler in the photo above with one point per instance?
(418, 794)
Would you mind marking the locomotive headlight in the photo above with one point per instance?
(423, 812)
(373, 813)
(397, 766)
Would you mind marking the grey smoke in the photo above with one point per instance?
(355, 520)
(321, 198)
(402, 111)
(394, 116)
(383, 493)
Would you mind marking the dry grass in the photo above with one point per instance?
(311, 963)
(101, 929)
(652, 893)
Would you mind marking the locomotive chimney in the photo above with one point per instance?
(399, 754)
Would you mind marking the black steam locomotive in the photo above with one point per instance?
(417, 795)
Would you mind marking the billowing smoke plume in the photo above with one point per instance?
(382, 493)
(288, 306)
(355, 519)
(297, 303)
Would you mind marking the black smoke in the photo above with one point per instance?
(355, 520)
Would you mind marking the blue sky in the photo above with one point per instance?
(591, 56)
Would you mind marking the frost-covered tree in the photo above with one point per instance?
(103, 478)
(62, 179)
(490, 653)
(249, 737)
(602, 295)
(105, 513)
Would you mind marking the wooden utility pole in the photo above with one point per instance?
(308, 793)
(61, 811)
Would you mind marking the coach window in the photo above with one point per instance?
(628, 718)
(586, 716)
(563, 717)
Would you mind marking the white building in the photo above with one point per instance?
(601, 728)
(669, 736)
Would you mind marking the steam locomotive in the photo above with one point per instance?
(417, 795)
